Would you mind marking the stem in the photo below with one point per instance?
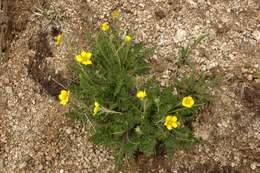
(177, 105)
(115, 133)
(186, 108)
(54, 80)
(122, 45)
(126, 54)
(110, 111)
(82, 69)
(144, 108)
(127, 137)
(181, 137)
(90, 122)
(103, 54)
(161, 120)
(116, 52)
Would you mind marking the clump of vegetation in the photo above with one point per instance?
(125, 113)
(186, 50)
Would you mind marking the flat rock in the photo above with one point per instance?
(180, 35)
(256, 35)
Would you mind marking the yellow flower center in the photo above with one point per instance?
(84, 58)
(78, 58)
(115, 14)
(141, 95)
(64, 97)
(105, 26)
(58, 39)
(128, 38)
(171, 122)
(188, 102)
(96, 108)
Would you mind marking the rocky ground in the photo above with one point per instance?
(36, 137)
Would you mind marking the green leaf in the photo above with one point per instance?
(147, 145)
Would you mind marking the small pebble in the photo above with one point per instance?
(9, 90)
(256, 35)
(180, 35)
(250, 77)
(2, 164)
(253, 166)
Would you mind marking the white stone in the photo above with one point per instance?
(69, 130)
(256, 35)
(253, 166)
(192, 3)
(250, 77)
(2, 164)
(141, 5)
(9, 90)
(161, 42)
(212, 65)
(180, 35)
(201, 1)
(204, 135)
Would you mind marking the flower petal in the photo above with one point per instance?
(174, 118)
(87, 62)
(174, 125)
(83, 53)
(169, 127)
(115, 14)
(188, 102)
(105, 26)
(128, 38)
(78, 58)
(64, 97)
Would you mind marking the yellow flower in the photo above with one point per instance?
(105, 26)
(96, 108)
(64, 97)
(187, 102)
(171, 122)
(141, 95)
(58, 39)
(128, 38)
(115, 14)
(78, 58)
(84, 58)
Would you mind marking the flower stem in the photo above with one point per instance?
(54, 80)
(90, 122)
(161, 120)
(186, 108)
(110, 111)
